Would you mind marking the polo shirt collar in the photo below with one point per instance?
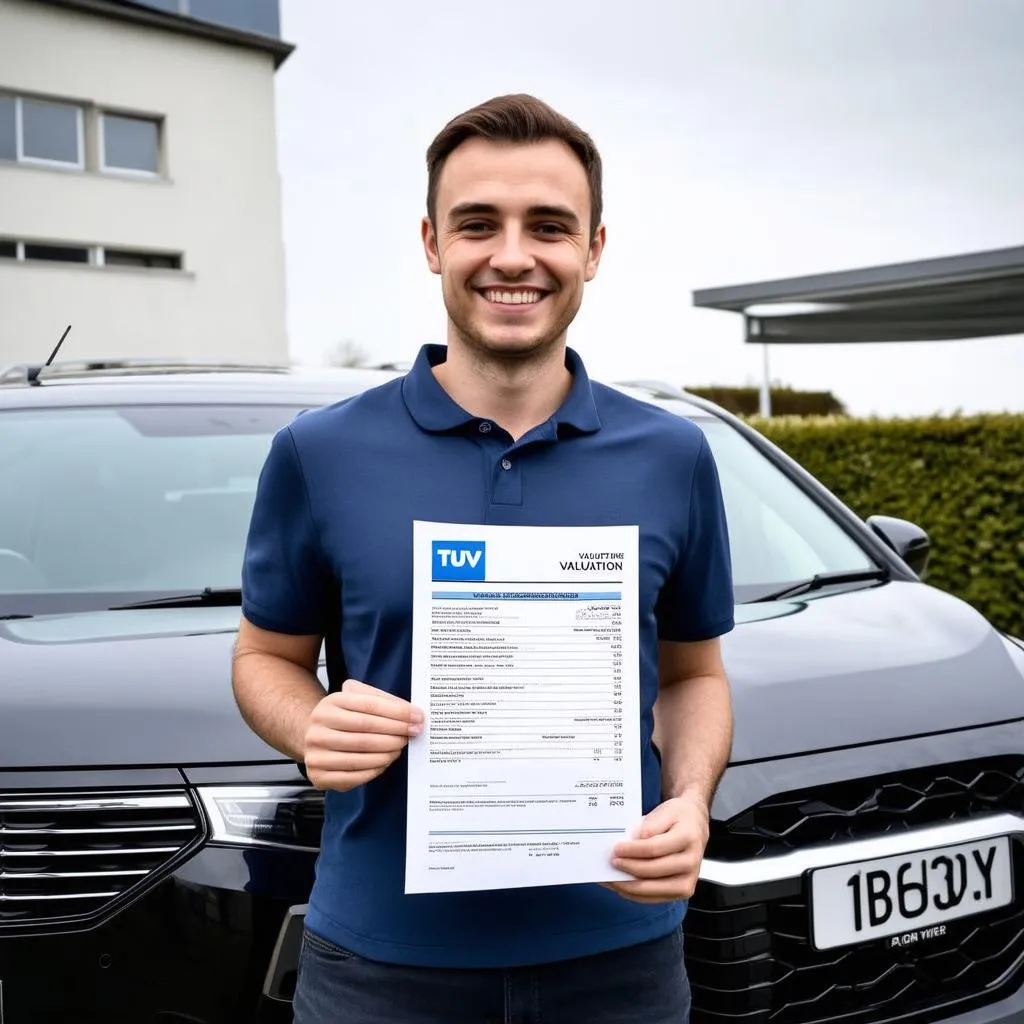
(433, 409)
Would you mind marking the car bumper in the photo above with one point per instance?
(279, 981)
(216, 942)
(204, 946)
(1006, 1011)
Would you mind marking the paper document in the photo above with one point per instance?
(525, 661)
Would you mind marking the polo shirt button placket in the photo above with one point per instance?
(507, 485)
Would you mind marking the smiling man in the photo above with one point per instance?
(501, 426)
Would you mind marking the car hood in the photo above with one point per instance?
(879, 663)
(130, 688)
(152, 687)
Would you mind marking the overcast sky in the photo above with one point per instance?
(742, 139)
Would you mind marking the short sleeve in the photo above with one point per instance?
(286, 580)
(696, 602)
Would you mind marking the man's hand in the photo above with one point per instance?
(666, 855)
(355, 734)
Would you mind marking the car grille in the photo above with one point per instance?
(749, 950)
(861, 808)
(68, 856)
(754, 963)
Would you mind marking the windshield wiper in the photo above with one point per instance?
(15, 615)
(208, 597)
(825, 579)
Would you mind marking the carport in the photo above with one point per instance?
(952, 298)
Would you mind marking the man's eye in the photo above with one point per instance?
(551, 229)
(475, 226)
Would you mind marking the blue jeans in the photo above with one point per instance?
(643, 984)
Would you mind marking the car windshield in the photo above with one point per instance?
(778, 534)
(113, 505)
(127, 503)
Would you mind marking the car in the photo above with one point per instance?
(865, 862)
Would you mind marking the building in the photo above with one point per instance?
(139, 193)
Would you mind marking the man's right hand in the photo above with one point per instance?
(355, 734)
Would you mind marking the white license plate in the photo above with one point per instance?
(911, 893)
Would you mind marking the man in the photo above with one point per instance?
(502, 426)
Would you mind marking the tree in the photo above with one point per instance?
(347, 353)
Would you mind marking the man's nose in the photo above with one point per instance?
(511, 257)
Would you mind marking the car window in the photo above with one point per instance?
(138, 499)
(778, 534)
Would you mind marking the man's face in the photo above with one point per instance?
(511, 241)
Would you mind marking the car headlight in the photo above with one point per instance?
(290, 817)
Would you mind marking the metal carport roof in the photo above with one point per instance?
(975, 295)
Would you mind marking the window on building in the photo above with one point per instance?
(8, 128)
(96, 255)
(57, 253)
(51, 132)
(149, 260)
(130, 143)
(261, 16)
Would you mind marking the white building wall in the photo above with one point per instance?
(219, 203)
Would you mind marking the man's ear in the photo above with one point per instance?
(430, 245)
(594, 256)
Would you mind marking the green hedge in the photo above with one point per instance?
(786, 401)
(960, 478)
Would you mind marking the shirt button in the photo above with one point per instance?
(506, 463)
(485, 427)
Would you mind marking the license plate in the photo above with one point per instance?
(914, 892)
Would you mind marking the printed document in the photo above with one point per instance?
(525, 662)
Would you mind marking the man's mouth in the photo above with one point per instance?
(512, 296)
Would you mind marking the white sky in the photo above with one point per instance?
(742, 140)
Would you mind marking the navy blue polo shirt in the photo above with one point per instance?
(334, 511)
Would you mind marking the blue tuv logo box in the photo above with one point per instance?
(459, 560)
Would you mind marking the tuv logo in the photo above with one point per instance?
(456, 560)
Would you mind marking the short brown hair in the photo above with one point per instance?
(515, 118)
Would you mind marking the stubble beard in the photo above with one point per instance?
(528, 348)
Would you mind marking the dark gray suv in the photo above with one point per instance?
(866, 861)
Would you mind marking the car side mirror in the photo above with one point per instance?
(907, 539)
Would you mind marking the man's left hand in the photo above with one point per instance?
(665, 857)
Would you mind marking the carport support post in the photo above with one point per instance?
(766, 387)
(751, 331)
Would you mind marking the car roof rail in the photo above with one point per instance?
(36, 373)
(656, 388)
(19, 373)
